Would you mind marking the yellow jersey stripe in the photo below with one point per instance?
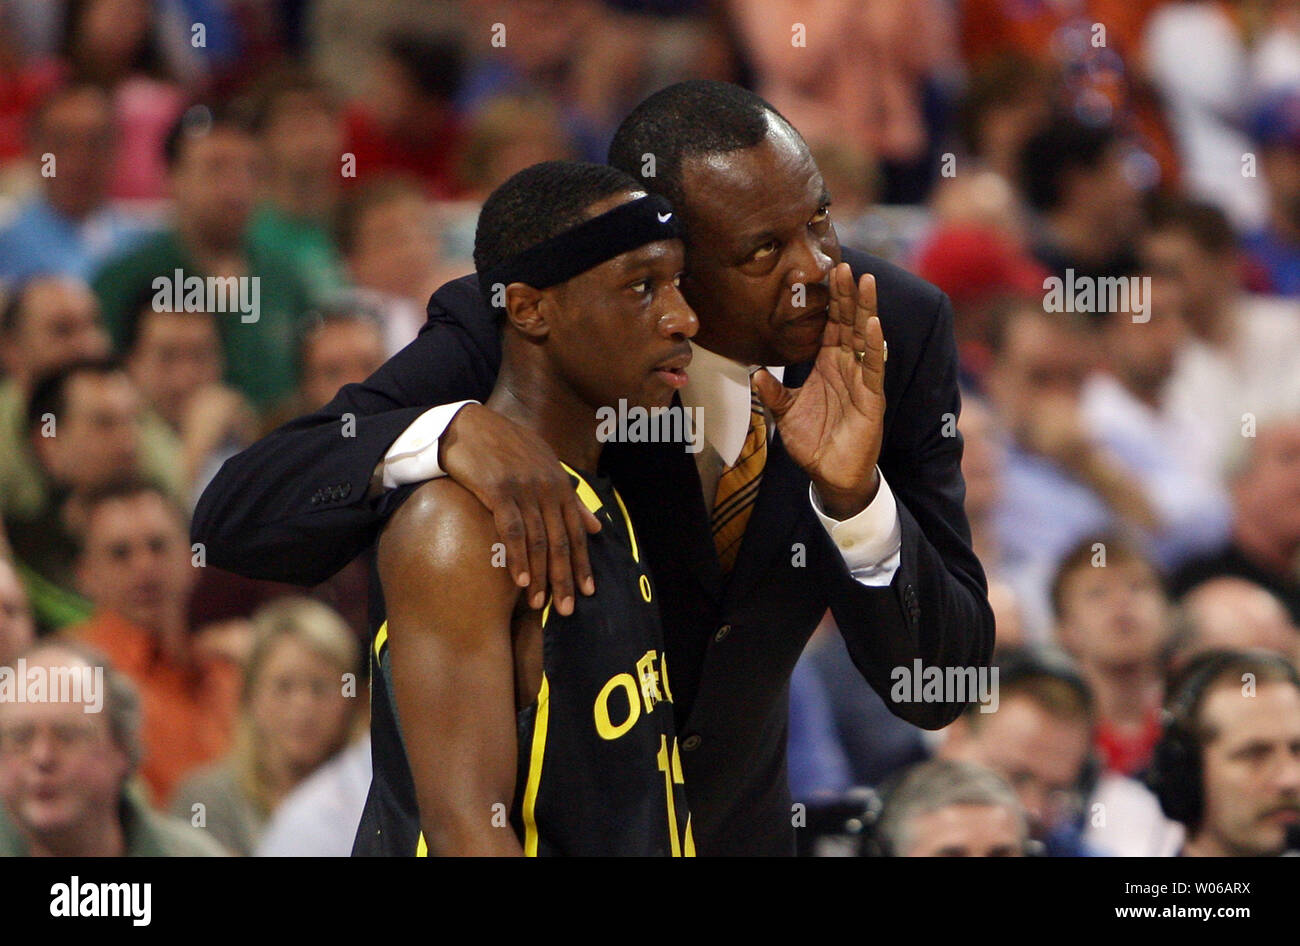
(421, 849)
(381, 639)
(631, 533)
(535, 768)
(585, 492)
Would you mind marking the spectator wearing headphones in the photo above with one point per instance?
(1228, 764)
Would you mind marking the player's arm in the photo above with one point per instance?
(449, 637)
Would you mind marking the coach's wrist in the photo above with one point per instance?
(844, 504)
(462, 425)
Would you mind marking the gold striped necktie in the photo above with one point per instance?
(738, 486)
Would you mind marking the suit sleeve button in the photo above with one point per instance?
(722, 633)
(691, 742)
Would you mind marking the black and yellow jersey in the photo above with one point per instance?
(599, 768)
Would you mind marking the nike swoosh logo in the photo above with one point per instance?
(664, 218)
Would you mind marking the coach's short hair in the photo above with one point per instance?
(938, 784)
(538, 203)
(684, 120)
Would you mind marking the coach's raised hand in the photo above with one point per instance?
(515, 474)
(833, 425)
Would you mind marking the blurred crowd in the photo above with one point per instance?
(1132, 459)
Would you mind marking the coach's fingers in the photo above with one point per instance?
(849, 306)
(560, 567)
(535, 543)
(510, 527)
(864, 311)
(579, 521)
(873, 364)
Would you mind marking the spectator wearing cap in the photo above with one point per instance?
(978, 267)
(66, 774)
(1274, 248)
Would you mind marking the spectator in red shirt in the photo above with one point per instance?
(135, 566)
(1113, 617)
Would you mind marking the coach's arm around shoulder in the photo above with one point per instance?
(449, 637)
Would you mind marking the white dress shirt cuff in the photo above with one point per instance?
(413, 457)
(870, 542)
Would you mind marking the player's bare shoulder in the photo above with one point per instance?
(442, 532)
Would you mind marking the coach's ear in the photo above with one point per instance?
(527, 309)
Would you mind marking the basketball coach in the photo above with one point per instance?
(814, 488)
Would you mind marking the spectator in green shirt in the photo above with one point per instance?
(214, 162)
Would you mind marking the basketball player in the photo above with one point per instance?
(526, 732)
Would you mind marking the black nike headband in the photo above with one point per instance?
(592, 242)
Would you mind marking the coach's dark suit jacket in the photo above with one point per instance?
(292, 508)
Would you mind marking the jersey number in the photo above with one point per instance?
(673, 776)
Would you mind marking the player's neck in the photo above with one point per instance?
(550, 408)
